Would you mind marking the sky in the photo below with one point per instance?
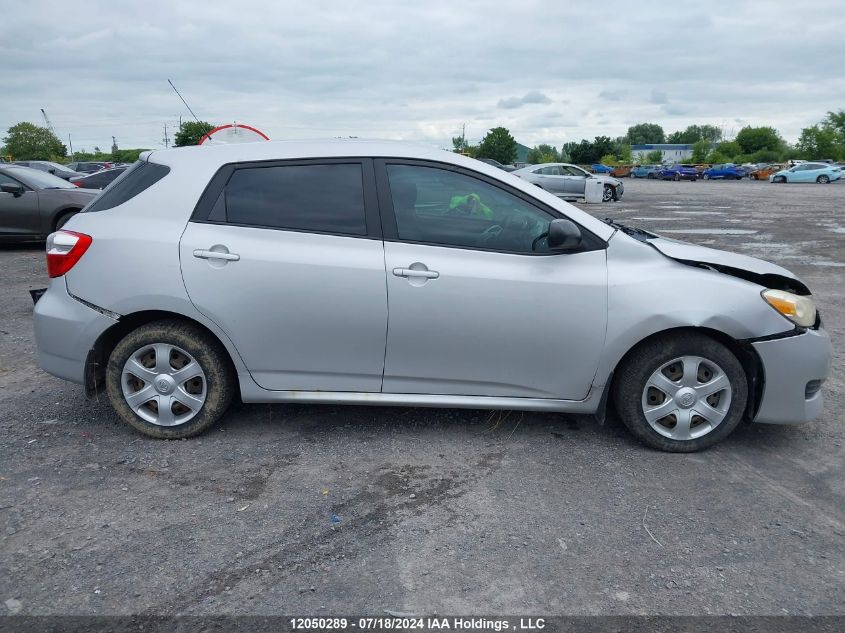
(549, 71)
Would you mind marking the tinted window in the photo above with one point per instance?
(129, 184)
(322, 198)
(439, 206)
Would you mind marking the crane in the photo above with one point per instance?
(47, 121)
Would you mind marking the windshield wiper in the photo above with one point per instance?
(634, 231)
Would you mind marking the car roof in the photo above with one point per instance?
(206, 159)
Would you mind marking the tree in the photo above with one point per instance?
(817, 142)
(459, 144)
(654, 157)
(752, 139)
(26, 141)
(609, 159)
(700, 149)
(724, 152)
(695, 133)
(543, 154)
(499, 145)
(191, 133)
(645, 133)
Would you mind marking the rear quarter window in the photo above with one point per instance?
(140, 176)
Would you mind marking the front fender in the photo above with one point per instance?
(650, 293)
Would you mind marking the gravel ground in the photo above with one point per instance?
(320, 510)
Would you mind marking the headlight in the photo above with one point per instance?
(798, 309)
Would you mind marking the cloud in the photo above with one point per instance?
(411, 70)
(658, 96)
(511, 103)
(612, 95)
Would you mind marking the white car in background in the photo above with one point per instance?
(569, 181)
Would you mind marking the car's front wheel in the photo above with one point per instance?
(823, 180)
(779, 179)
(681, 393)
(169, 379)
(607, 194)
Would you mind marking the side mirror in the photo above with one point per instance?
(564, 235)
(13, 188)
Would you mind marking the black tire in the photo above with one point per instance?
(823, 180)
(607, 193)
(779, 179)
(205, 349)
(650, 176)
(677, 177)
(706, 176)
(633, 373)
(63, 218)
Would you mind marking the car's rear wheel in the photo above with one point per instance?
(607, 194)
(169, 379)
(681, 393)
(677, 177)
(823, 180)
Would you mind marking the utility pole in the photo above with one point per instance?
(69, 142)
(166, 140)
(113, 145)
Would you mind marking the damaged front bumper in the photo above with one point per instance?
(794, 368)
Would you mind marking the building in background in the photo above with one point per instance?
(672, 152)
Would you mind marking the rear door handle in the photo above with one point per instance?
(205, 254)
(410, 272)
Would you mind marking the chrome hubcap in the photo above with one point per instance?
(686, 398)
(163, 384)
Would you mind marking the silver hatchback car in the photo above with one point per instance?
(363, 272)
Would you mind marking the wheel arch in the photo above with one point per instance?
(98, 355)
(743, 351)
(59, 213)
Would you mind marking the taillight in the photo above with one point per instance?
(78, 183)
(64, 249)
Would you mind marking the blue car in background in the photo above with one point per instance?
(600, 169)
(822, 173)
(645, 171)
(728, 171)
(678, 172)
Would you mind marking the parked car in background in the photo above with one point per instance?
(598, 168)
(497, 164)
(98, 180)
(89, 167)
(645, 171)
(678, 172)
(621, 171)
(33, 203)
(569, 181)
(728, 171)
(50, 167)
(822, 173)
(764, 171)
(199, 278)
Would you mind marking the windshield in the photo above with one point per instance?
(39, 179)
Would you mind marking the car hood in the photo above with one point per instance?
(609, 180)
(749, 268)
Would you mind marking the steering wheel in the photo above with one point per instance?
(491, 232)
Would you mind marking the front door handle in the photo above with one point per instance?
(411, 272)
(206, 254)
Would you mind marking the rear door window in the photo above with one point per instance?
(140, 176)
(317, 198)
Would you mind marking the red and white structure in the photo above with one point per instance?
(233, 133)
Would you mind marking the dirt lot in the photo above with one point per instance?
(319, 510)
